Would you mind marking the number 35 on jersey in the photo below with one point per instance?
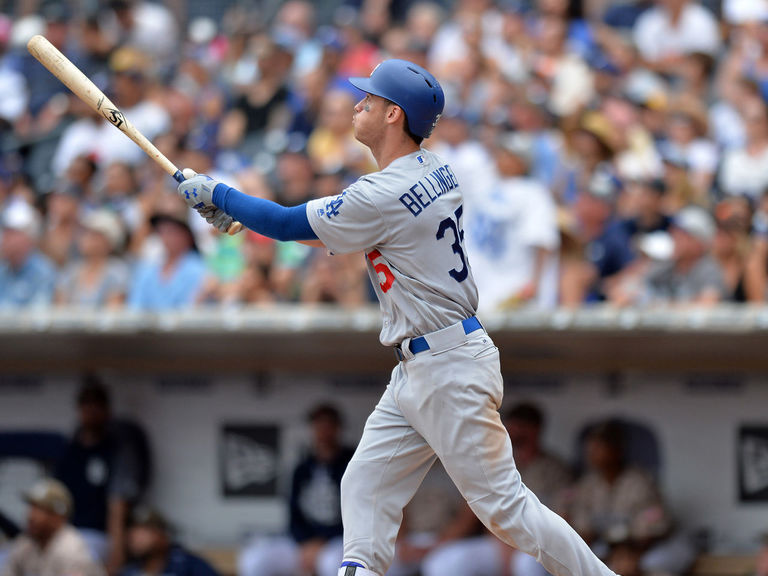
(459, 273)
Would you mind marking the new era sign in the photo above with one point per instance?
(753, 463)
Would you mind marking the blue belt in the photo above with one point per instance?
(420, 344)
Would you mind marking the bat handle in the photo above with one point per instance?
(234, 228)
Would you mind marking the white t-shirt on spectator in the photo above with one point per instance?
(701, 155)
(503, 232)
(114, 146)
(726, 125)
(473, 166)
(13, 93)
(78, 139)
(656, 37)
(742, 174)
(108, 145)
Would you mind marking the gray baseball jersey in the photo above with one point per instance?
(408, 220)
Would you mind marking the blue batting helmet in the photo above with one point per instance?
(409, 86)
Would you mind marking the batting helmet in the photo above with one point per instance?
(409, 86)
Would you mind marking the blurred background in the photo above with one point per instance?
(196, 396)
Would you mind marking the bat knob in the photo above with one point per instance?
(234, 228)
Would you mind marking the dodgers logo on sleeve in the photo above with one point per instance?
(333, 205)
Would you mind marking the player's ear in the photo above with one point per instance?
(394, 113)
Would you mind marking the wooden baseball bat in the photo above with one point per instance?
(71, 76)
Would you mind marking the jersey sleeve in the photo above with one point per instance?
(348, 222)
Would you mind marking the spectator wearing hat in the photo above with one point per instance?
(513, 237)
(130, 83)
(27, 278)
(153, 552)
(315, 541)
(595, 246)
(96, 279)
(50, 546)
(176, 279)
(691, 275)
(590, 148)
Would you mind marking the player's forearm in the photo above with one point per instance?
(263, 216)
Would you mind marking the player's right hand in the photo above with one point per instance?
(219, 219)
(197, 190)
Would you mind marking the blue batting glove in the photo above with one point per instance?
(197, 190)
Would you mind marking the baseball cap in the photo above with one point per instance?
(695, 221)
(131, 61)
(50, 495)
(20, 216)
(604, 186)
(107, 224)
(150, 518)
(657, 246)
(519, 144)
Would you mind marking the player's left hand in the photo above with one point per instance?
(197, 190)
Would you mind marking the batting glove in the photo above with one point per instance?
(219, 220)
(197, 190)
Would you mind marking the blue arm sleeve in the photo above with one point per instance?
(263, 216)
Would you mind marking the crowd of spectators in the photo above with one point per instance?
(607, 151)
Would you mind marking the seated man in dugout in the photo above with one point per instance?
(153, 552)
(616, 502)
(50, 546)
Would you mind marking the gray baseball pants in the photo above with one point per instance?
(443, 403)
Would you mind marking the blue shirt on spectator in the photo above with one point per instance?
(31, 285)
(179, 563)
(152, 291)
(609, 253)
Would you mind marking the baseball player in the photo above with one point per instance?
(444, 394)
